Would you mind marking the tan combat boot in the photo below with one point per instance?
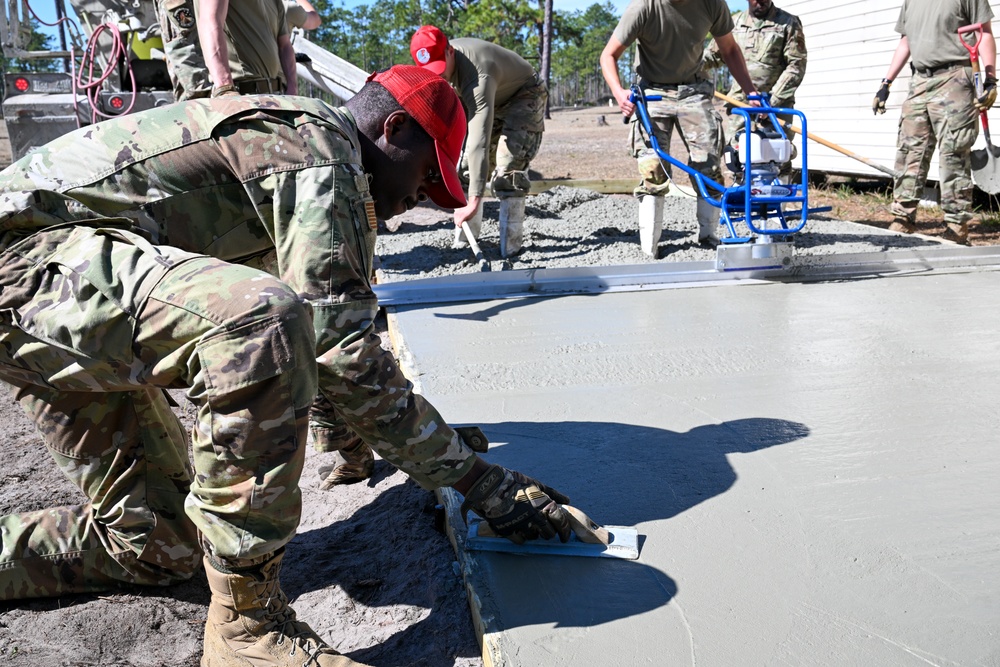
(358, 465)
(251, 625)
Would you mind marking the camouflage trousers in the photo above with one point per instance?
(515, 139)
(939, 111)
(185, 62)
(329, 431)
(94, 325)
(688, 109)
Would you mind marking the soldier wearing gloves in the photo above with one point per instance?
(941, 107)
(506, 104)
(131, 257)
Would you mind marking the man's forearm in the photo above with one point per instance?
(899, 58)
(988, 54)
(212, 36)
(287, 55)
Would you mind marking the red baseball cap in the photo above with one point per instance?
(428, 47)
(432, 102)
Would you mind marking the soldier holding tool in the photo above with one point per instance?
(506, 102)
(669, 35)
(774, 47)
(128, 255)
(218, 47)
(941, 107)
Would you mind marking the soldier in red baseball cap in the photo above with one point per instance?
(244, 277)
(506, 102)
(438, 111)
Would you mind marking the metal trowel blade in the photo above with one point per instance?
(623, 542)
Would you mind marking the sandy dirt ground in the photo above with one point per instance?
(368, 570)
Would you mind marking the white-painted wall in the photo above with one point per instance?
(850, 44)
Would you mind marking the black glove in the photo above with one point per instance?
(518, 507)
(878, 104)
(985, 101)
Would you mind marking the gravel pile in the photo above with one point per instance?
(568, 227)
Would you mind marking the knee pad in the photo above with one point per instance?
(651, 170)
(510, 183)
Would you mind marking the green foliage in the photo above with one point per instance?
(39, 41)
(579, 38)
(377, 36)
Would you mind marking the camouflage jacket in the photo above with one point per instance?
(775, 51)
(264, 181)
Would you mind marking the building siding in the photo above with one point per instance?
(850, 45)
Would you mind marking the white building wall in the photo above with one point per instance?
(850, 44)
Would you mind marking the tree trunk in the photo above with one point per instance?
(547, 49)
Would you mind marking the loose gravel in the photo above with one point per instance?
(567, 227)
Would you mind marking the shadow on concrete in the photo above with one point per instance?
(485, 314)
(620, 474)
(627, 473)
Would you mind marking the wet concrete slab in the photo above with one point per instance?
(813, 468)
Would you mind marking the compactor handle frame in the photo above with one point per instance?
(742, 202)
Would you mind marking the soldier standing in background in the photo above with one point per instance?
(774, 47)
(669, 35)
(506, 104)
(941, 107)
(218, 47)
(130, 256)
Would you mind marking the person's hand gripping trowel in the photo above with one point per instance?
(524, 510)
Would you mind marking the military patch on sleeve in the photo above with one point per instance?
(361, 182)
(370, 212)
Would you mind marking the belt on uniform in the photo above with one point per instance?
(931, 71)
(658, 86)
(259, 86)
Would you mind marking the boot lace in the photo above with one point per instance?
(278, 616)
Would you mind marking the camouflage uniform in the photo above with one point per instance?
(253, 54)
(775, 51)
(506, 102)
(668, 62)
(687, 107)
(939, 107)
(126, 267)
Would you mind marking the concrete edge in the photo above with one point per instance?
(481, 607)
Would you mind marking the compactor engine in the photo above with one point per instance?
(770, 151)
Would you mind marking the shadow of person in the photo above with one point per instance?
(623, 475)
(620, 474)
(629, 473)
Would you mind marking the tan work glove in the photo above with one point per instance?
(984, 102)
(518, 507)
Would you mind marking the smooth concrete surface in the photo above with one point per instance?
(813, 468)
